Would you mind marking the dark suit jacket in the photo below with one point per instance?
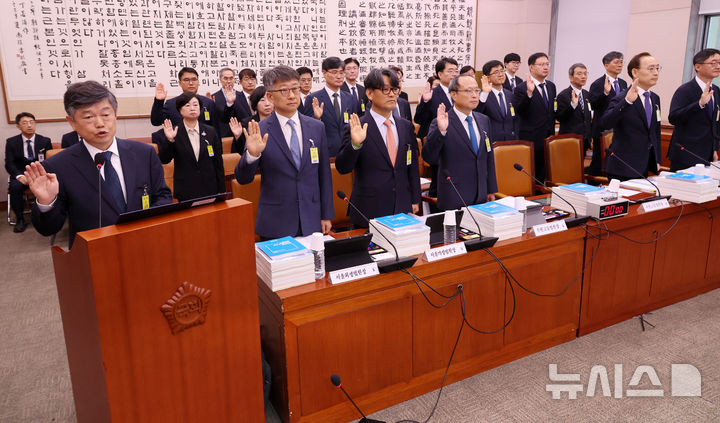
(238, 144)
(70, 139)
(379, 188)
(632, 139)
(15, 160)
(473, 175)
(599, 102)
(290, 199)
(162, 110)
(507, 85)
(193, 178)
(334, 125)
(503, 128)
(537, 119)
(405, 111)
(362, 99)
(426, 112)
(78, 192)
(239, 110)
(696, 129)
(403, 95)
(577, 120)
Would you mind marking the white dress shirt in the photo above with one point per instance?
(287, 132)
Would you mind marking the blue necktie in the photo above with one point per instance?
(503, 110)
(30, 154)
(354, 93)
(544, 94)
(294, 144)
(648, 108)
(617, 86)
(711, 107)
(112, 183)
(473, 137)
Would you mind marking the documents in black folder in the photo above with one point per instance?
(342, 253)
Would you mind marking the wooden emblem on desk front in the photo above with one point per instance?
(187, 307)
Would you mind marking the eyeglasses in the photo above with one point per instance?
(543, 65)
(388, 90)
(470, 91)
(285, 92)
(336, 72)
(497, 72)
(186, 80)
(451, 71)
(713, 63)
(657, 68)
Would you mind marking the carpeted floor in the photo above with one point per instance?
(35, 382)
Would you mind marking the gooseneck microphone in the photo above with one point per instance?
(707, 162)
(569, 222)
(335, 379)
(99, 163)
(482, 241)
(387, 265)
(627, 165)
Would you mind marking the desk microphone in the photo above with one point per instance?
(335, 379)
(569, 222)
(472, 244)
(387, 265)
(644, 200)
(99, 163)
(697, 157)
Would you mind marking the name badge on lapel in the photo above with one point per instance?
(210, 150)
(589, 107)
(207, 114)
(408, 156)
(555, 105)
(487, 141)
(362, 107)
(512, 110)
(657, 113)
(717, 117)
(314, 156)
(145, 198)
(346, 117)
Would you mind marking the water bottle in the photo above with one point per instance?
(450, 227)
(317, 245)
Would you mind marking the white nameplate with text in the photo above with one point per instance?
(439, 253)
(353, 273)
(549, 228)
(655, 205)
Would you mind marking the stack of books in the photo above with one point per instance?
(576, 194)
(283, 263)
(688, 187)
(408, 233)
(701, 169)
(495, 219)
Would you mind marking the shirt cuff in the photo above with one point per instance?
(484, 96)
(443, 133)
(250, 159)
(574, 106)
(18, 177)
(44, 208)
(355, 147)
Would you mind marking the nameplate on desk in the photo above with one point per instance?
(353, 273)
(549, 228)
(446, 251)
(655, 205)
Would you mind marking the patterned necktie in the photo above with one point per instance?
(473, 137)
(648, 108)
(544, 94)
(294, 144)
(336, 106)
(390, 141)
(503, 108)
(581, 102)
(30, 154)
(112, 183)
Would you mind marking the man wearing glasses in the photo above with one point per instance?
(496, 103)
(382, 151)
(634, 117)
(459, 144)
(331, 105)
(290, 150)
(534, 101)
(694, 112)
(227, 94)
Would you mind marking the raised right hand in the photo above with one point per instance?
(706, 95)
(317, 108)
(426, 92)
(160, 91)
(530, 85)
(170, 132)
(254, 142)
(43, 185)
(442, 118)
(608, 86)
(486, 87)
(358, 132)
(632, 93)
(235, 127)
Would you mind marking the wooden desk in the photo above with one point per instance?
(626, 279)
(388, 345)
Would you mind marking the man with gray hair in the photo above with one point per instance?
(225, 96)
(66, 184)
(574, 111)
(291, 151)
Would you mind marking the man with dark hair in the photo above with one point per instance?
(512, 64)
(227, 94)
(290, 150)
(382, 152)
(189, 82)
(20, 151)
(634, 117)
(66, 185)
(332, 105)
(306, 82)
(352, 71)
(602, 90)
(400, 75)
(403, 105)
(459, 144)
(694, 112)
(534, 101)
(467, 70)
(248, 82)
(573, 107)
(496, 103)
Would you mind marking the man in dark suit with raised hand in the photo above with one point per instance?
(634, 117)
(66, 185)
(331, 105)
(573, 107)
(496, 103)
(512, 64)
(20, 151)
(459, 143)
(534, 101)
(352, 71)
(602, 90)
(227, 94)
(290, 150)
(694, 112)
(381, 150)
